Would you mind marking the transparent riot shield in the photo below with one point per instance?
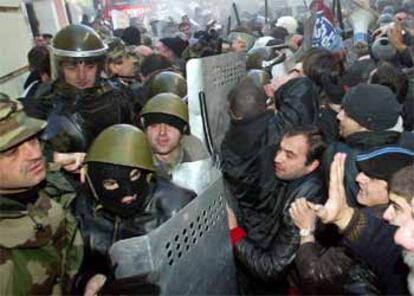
(209, 81)
(190, 254)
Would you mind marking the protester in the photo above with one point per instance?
(122, 198)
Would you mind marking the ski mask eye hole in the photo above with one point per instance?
(134, 175)
(110, 184)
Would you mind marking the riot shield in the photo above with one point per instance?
(196, 175)
(209, 81)
(190, 254)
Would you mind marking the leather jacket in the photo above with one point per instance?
(271, 264)
(248, 150)
(100, 228)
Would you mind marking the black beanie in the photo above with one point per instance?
(384, 162)
(176, 44)
(373, 106)
(152, 118)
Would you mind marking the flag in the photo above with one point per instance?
(325, 33)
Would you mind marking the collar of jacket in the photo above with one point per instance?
(33, 226)
(312, 175)
(243, 135)
(372, 139)
(62, 88)
(251, 119)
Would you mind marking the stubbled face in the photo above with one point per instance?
(163, 138)
(81, 75)
(404, 236)
(399, 211)
(22, 166)
(371, 191)
(408, 257)
(347, 126)
(290, 159)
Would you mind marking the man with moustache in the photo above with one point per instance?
(40, 245)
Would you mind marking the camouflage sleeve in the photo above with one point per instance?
(73, 252)
(6, 271)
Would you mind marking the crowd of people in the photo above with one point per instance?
(317, 160)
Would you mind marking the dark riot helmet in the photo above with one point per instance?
(167, 82)
(122, 144)
(168, 108)
(263, 58)
(76, 43)
(259, 77)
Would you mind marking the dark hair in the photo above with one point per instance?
(47, 35)
(358, 72)
(154, 63)
(319, 60)
(401, 182)
(39, 59)
(131, 36)
(315, 139)
(118, 32)
(246, 99)
(391, 77)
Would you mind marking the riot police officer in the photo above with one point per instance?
(177, 154)
(79, 104)
(122, 66)
(122, 196)
(166, 82)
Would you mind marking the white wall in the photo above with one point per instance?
(47, 15)
(16, 42)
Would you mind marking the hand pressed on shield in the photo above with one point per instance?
(336, 209)
(94, 285)
(231, 217)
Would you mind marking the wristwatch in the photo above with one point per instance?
(306, 232)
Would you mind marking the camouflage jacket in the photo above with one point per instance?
(40, 246)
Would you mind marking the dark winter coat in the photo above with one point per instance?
(100, 228)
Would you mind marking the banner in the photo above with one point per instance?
(325, 34)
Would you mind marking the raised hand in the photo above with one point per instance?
(336, 209)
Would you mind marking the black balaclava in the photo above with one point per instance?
(111, 199)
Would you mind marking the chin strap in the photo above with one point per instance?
(88, 179)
